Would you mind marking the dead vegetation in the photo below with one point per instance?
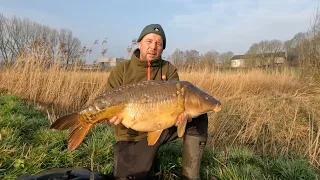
(272, 113)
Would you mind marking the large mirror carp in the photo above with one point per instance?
(148, 106)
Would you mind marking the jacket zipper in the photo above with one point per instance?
(149, 70)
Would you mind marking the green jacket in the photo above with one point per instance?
(137, 70)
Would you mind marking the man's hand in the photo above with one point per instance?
(181, 118)
(115, 120)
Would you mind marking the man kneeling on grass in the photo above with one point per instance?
(133, 158)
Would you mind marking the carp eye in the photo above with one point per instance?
(206, 97)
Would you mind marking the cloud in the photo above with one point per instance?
(236, 24)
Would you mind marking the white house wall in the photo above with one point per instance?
(237, 63)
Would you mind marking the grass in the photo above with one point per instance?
(28, 146)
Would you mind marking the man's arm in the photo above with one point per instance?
(115, 80)
(173, 73)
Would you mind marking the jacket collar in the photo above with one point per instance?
(142, 63)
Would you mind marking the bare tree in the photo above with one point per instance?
(210, 56)
(69, 46)
(4, 56)
(275, 47)
(131, 47)
(19, 37)
(264, 53)
(192, 55)
(254, 49)
(209, 59)
(225, 58)
(315, 41)
(177, 57)
(304, 48)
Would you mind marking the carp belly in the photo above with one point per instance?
(150, 117)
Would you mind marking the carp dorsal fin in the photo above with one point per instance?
(182, 125)
(153, 137)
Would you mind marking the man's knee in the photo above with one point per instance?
(198, 125)
(134, 159)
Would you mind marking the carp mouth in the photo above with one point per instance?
(217, 108)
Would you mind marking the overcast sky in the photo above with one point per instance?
(229, 25)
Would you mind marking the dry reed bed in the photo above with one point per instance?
(271, 113)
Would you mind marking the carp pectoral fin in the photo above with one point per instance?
(111, 112)
(182, 126)
(153, 137)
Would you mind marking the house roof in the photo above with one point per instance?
(262, 55)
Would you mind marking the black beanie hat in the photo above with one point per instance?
(153, 28)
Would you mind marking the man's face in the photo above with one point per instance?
(151, 47)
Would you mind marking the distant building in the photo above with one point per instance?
(258, 60)
(238, 61)
(108, 62)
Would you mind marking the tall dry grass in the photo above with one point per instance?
(272, 113)
(54, 87)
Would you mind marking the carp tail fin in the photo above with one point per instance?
(66, 122)
(77, 135)
(79, 129)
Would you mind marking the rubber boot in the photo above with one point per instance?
(193, 148)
